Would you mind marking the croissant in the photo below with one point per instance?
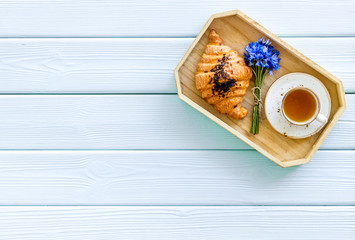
(223, 78)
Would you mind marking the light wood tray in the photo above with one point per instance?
(237, 30)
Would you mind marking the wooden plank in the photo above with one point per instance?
(110, 18)
(124, 122)
(129, 65)
(172, 178)
(276, 223)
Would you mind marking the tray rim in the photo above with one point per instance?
(326, 130)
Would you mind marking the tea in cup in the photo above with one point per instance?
(300, 106)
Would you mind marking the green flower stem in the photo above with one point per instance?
(259, 73)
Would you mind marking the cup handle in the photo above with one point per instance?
(322, 119)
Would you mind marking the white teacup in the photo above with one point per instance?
(317, 116)
(313, 122)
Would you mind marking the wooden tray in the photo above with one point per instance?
(237, 30)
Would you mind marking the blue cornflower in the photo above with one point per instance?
(262, 58)
(261, 54)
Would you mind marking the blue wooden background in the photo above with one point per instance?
(95, 144)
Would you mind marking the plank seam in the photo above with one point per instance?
(162, 37)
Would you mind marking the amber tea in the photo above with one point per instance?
(300, 105)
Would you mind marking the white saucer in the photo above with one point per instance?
(273, 101)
